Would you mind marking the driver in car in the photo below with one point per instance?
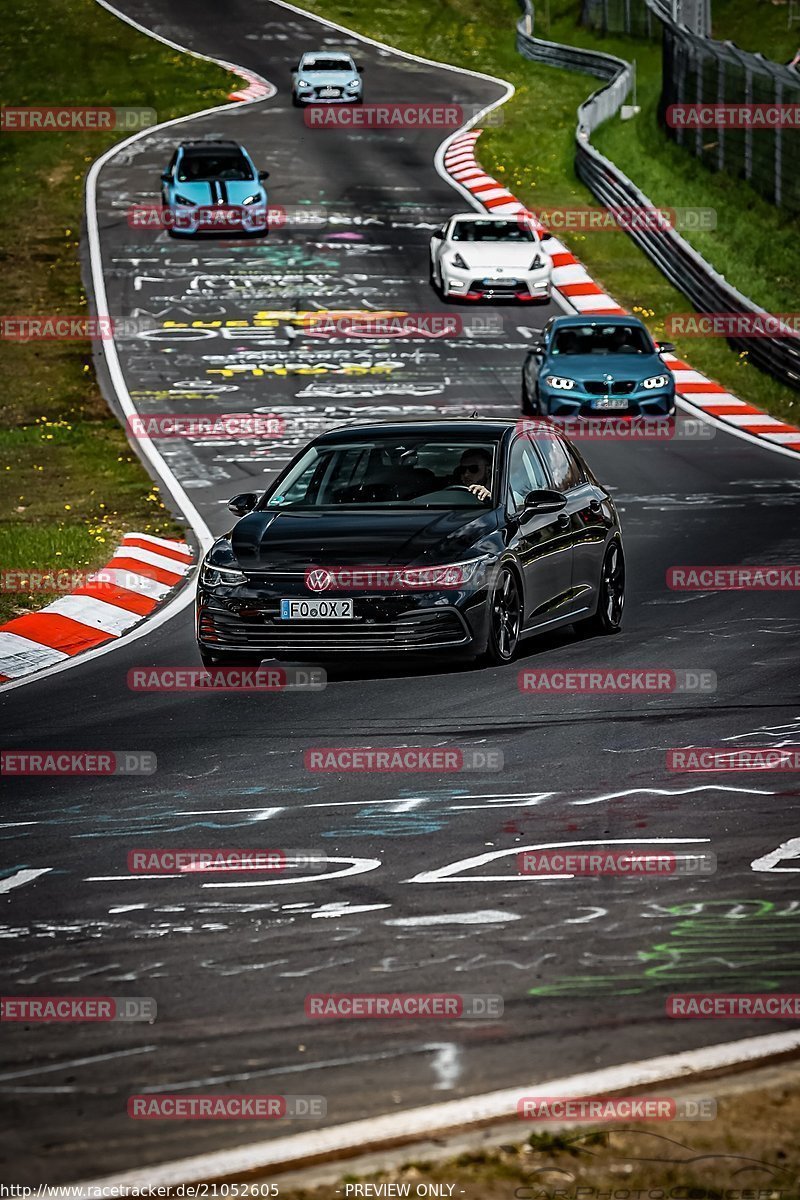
(473, 473)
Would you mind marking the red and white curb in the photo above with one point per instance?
(257, 88)
(142, 573)
(574, 284)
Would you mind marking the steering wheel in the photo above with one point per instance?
(457, 487)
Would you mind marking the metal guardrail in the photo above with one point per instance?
(683, 266)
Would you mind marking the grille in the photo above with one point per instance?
(618, 387)
(220, 628)
(498, 287)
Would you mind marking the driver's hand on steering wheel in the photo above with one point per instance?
(479, 490)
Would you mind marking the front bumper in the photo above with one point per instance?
(579, 403)
(203, 219)
(246, 618)
(311, 96)
(525, 286)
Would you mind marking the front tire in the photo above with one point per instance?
(505, 620)
(611, 600)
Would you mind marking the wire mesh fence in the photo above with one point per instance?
(755, 143)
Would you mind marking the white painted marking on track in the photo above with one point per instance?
(358, 866)
(485, 916)
(767, 862)
(448, 874)
(339, 1142)
(20, 878)
(446, 1065)
(77, 1062)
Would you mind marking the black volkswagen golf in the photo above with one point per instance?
(434, 537)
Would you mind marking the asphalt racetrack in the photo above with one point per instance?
(411, 899)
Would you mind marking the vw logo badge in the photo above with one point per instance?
(319, 580)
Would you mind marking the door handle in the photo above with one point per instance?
(563, 521)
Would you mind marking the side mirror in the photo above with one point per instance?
(243, 503)
(538, 348)
(544, 500)
(360, 69)
(263, 174)
(545, 235)
(166, 177)
(665, 347)
(296, 67)
(438, 233)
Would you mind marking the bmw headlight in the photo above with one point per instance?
(184, 200)
(459, 262)
(212, 576)
(537, 264)
(560, 383)
(354, 85)
(655, 381)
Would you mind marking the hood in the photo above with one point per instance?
(518, 255)
(403, 537)
(597, 366)
(329, 78)
(229, 191)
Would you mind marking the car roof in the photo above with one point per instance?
(210, 146)
(326, 54)
(492, 428)
(597, 319)
(476, 216)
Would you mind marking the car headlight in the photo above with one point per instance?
(354, 85)
(559, 382)
(452, 575)
(303, 83)
(655, 381)
(459, 262)
(212, 576)
(184, 200)
(537, 264)
(251, 200)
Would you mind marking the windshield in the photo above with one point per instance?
(328, 64)
(602, 339)
(492, 231)
(381, 473)
(228, 165)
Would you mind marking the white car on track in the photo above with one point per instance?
(482, 257)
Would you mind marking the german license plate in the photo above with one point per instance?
(610, 402)
(329, 91)
(316, 610)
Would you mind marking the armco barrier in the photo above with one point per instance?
(687, 270)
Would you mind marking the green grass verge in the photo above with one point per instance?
(69, 485)
(532, 152)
